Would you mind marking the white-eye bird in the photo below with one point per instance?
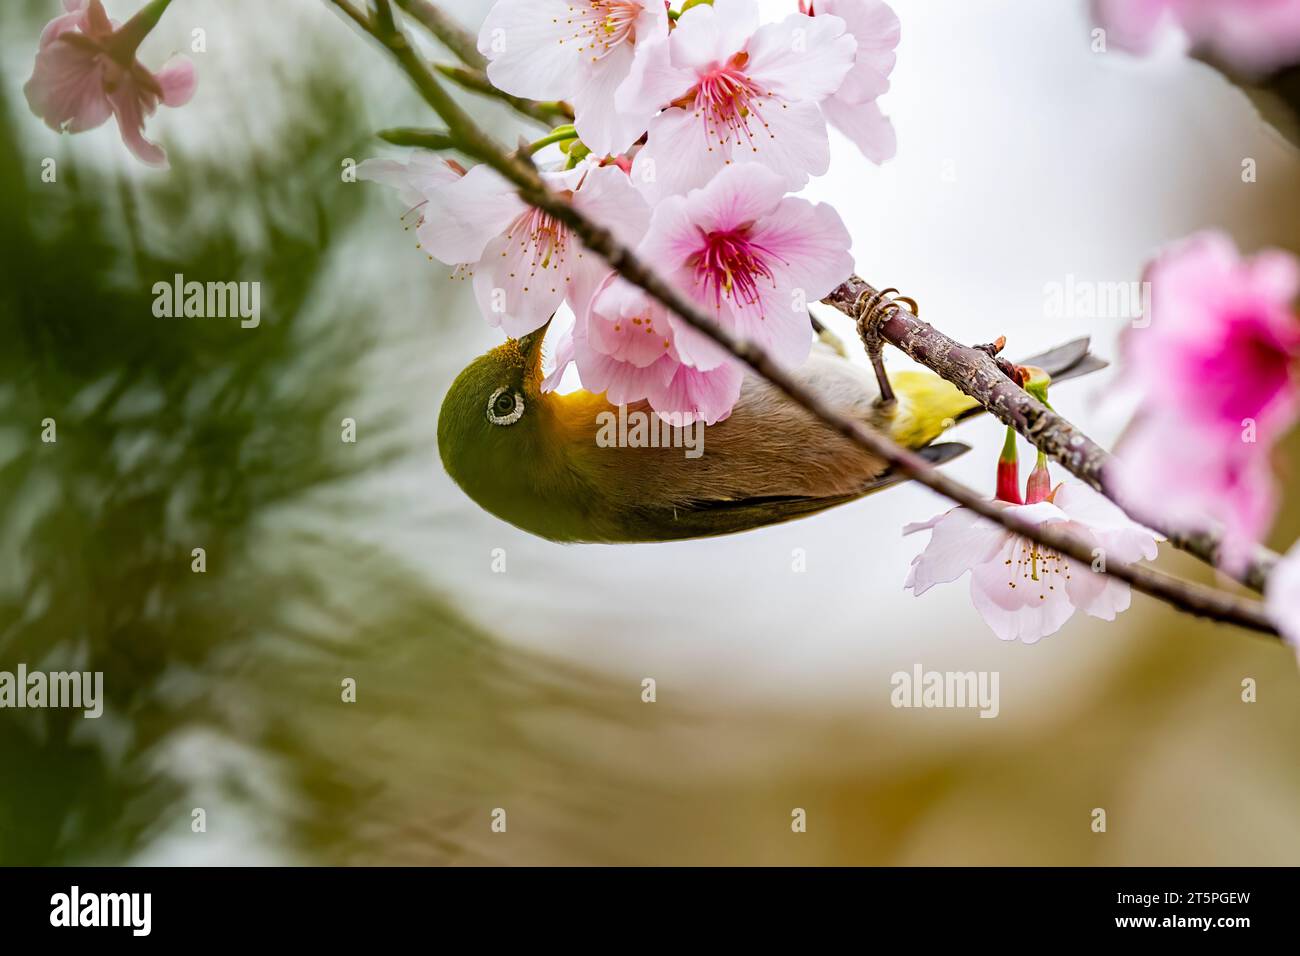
(532, 458)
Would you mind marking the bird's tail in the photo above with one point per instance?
(1071, 360)
(929, 405)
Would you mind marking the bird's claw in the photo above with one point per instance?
(872, 308)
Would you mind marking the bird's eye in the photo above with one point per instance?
(505, 407)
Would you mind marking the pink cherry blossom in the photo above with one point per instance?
(1253, 36)
(733, 92)
(625, 347)
(525, 263)
(1282, 597)
(753, 257)
(852, 109)
(576, 50)
(1217, 370)
(1169, 469)
(1022, 590)
(413, 179)
(86, 71)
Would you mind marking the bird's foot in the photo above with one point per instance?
(872, 309)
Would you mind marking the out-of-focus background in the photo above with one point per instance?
(1025, 158)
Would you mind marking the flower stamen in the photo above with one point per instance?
(602, 26)
(731, 265)
(729, 102)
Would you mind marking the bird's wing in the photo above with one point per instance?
(768, 462)
(709, 517)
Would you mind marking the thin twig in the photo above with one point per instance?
(476, 81)
(419, 138)
(470, 74)
(452, 35)
(1186, 595)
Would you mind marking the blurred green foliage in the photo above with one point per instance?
(222, 688)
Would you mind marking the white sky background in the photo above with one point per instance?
(1065, 161)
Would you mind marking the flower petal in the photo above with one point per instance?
(810, 246)
(801, 58)
(1030, 622)
(465, 215)
(693, 395)
(533, 47)
(66, 88)
(602, 127)
(960, 540)
(177, 80)
(510, 291)
(1282, 597)
(865, 126)
(677, 156)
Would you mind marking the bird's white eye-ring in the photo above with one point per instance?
(505, 407)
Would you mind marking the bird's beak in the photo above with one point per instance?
(531, 347)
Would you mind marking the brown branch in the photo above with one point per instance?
(977, 374)
(1185, 595)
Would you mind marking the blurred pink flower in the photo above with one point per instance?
(525, 263)
(1252, 36)
(1216, 365)
(753, 257)
(1167, 468)
(86, 70)
(1023, 591)
(852, 109)
(576, 50)
(1283, 596)
(734, 92)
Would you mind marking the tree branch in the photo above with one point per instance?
(1185, 595)
(419, 138)
(470, 74)
(450, 34)
(977, 374)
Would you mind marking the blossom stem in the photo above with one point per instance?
(419, 138)
(1186, 595)
(128, 37)
(561, 134)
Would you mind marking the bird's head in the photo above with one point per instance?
(496, 428)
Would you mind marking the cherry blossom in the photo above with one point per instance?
(753, 257)
(852, 109)
(86, 71)
(1022, 590)
(1216, 366)
(576, 50)
(524, 262)
(1253, 36)
(733, 92)
(625, 347)
(413, 180)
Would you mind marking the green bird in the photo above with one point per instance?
(545, 463)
